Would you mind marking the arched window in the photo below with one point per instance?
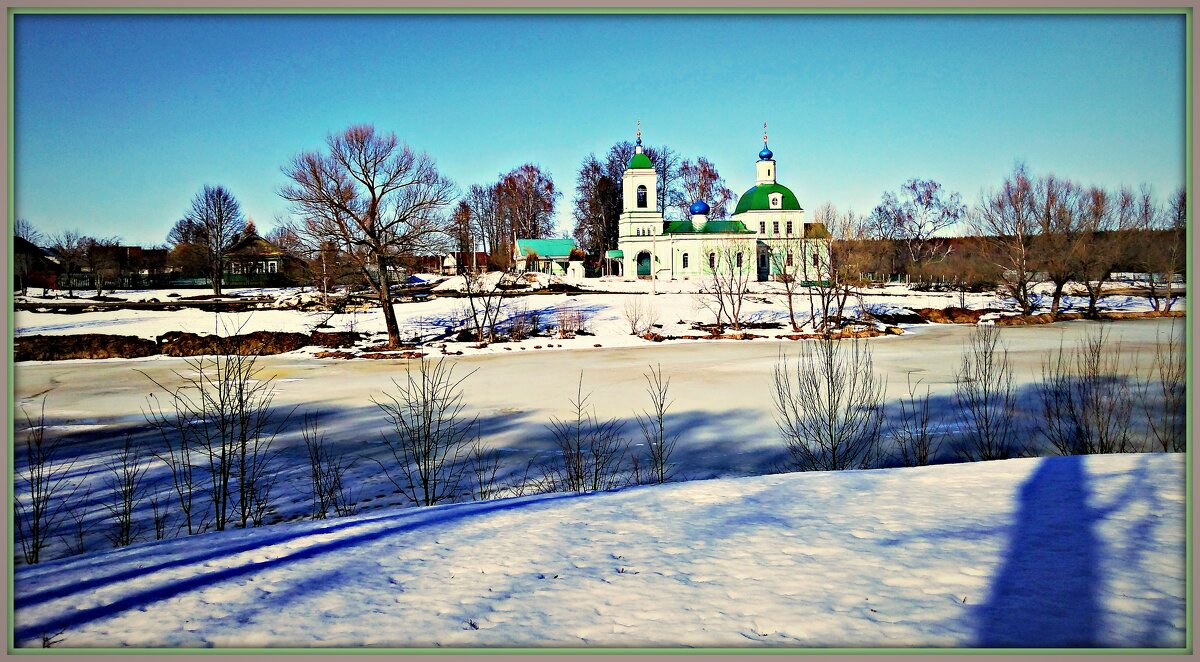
(712, 261)
(739, 261)
(641, 196)
(685, 260)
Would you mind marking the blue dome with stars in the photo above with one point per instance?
(699, 207)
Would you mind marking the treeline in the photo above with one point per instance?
(1029, 230)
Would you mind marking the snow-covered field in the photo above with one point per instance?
(1064, 551)
(676, 308)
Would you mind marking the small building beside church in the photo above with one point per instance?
(548, 256)
(766, 235)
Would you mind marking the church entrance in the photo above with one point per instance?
(643, 264)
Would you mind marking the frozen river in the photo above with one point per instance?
(722, 390)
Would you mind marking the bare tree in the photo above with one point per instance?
(27, 231)
(431, 433)
(215, 221)
(920, 210)
(79, 526)
(375, 198)
(180, 437)
(660, 445)
(1006, 221)
(728, 269)
(592, 452)
(71, 248)
(1087, 404)
(1058, 243)
(917, 438)
(829, 405)
(1164, 392)
(986, 399)
(525, 202)
(41, 487)
(701, 181)
(101, 259)
(1161, 250)
(1106, 222)
(327, 472)
(829, 273)
(126, 469)
(486, 294)
(788, 262)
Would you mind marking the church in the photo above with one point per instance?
(766, 237)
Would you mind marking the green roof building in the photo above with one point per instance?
(765, 238)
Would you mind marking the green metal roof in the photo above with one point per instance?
(640, 162)
(711, 227)
(758, 198)
(616, 255)
(546, 247)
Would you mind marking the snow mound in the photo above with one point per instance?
(1042, 552)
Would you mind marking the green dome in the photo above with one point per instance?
(758, 198)
(640, 162)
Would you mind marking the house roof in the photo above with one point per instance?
(253, 245)
(711, 227)
(546, 247)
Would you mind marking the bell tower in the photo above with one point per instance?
(640, 215)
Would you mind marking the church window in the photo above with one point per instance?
(768, 172)
(815, 260)
(762, 227)
(789, 258)
(739, 260)
(272, 267)
(641, 196)
(712, 261)
(789, 228)
(685, 260)
(774, 227)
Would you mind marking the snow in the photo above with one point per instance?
(1062, 551)
(676, 308)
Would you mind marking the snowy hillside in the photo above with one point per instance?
(1064, 551)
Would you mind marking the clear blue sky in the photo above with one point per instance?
(121, 119)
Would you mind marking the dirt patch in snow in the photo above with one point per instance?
(81, 346)
(175, 343)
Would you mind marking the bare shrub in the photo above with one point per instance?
(223, 413)
(659, 445)
(986, 399)
(431, 433)
(592, 452)
(79, 525)
(327, 471)
(41, 488)
(485, 293)
(1164, 392)
(571, 321)
(484, 469)
(126, 469)
(829, 405)
(1087, 404)
(160, 508)
(640, 315)
(917, 440)
(519, 323)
